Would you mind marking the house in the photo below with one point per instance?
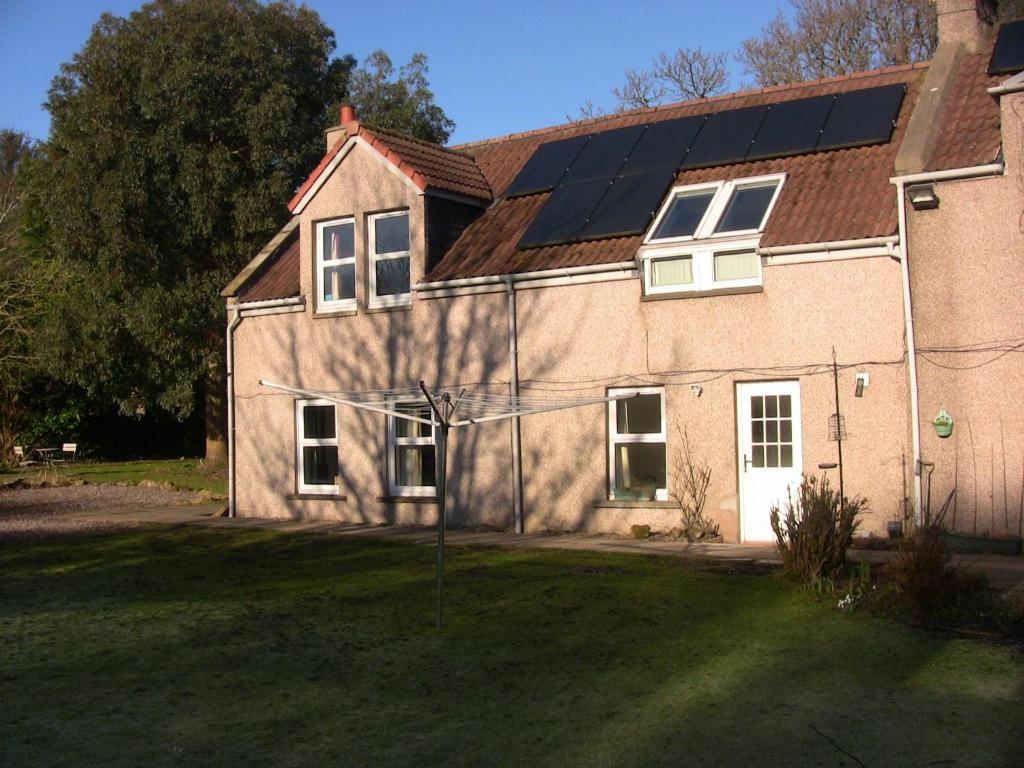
(739, 263)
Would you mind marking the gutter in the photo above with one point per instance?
(513, 369)
(832, 245)
(977, 171)
(1014, 85)
(522, 277)
(235, 321)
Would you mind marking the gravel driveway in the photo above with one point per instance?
(43, 511)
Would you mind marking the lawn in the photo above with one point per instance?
(186, 474)
(191, 646)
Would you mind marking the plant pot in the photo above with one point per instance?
(894, 528)
(965, 542)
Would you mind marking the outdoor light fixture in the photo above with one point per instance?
(862, 383)
(697, 389)
(923, 197)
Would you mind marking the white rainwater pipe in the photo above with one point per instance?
(513, 375)
(230, 368)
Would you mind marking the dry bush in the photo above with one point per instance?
(815, 531)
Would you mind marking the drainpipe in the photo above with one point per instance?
(235, 320)
(513, 367)
(908, 316)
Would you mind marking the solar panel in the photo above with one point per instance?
(603, 155)
(563, 216)
(725, 137)
(1008, 53)
(862, 117)
(791, 128)
(663, 145)
(629, 205)
(546, 166)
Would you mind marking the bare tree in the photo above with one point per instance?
(640, 90)
(836, 37)
(691, 73)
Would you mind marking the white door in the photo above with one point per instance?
(770, 453)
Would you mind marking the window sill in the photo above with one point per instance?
(701, 294)
(624, 504)
(388, 308)
(316, 497)
(408, 499)
(321, 313)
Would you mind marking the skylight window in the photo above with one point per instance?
(706, 236)
(684, 214)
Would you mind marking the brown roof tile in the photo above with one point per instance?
(440, 167)
(835, 195)
(429, 166)
(280, 279)
(970, 132)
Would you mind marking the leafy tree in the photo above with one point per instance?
(177, 133)
(836, 37)
(400, 101)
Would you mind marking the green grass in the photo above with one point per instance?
(193, 646)
(187, 474)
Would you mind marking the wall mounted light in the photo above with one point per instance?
(862, 383)
(923, 197)
(697, 389)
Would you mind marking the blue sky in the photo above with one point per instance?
(495, 68)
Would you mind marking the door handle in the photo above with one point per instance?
(746, 462)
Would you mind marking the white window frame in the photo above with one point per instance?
(394, 442)
(301, 441)
(704, 244)
(614, 438)
(322, 263)
(396, 299)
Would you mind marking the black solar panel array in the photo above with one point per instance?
(1008, 53)
(610, 184)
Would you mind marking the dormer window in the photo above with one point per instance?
(336, 264)
(389, 259)
(706, 235)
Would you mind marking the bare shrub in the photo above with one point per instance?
(816, 530)
(691, 477)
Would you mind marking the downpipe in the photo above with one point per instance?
(230, 375)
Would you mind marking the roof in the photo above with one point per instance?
(969, 134)
(267, 264)
(841, 194)
(429, 166)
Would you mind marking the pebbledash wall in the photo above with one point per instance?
(967, 273)
(575, 339)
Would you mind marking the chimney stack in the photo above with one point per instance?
(968, 22)
(337, 132)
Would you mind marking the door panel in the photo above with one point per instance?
(770, 456)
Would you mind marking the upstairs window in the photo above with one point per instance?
(706, 236)
(389, 259)
(411, 452)
(336, 264)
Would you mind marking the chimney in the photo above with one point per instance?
(336, 132)
(967, 22)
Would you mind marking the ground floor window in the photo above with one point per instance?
(411, 452)
(316, 442)
(636, 445)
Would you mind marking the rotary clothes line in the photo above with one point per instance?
(448, 411)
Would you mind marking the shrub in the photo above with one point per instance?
(691, 477)
(816, 531)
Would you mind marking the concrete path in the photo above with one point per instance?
(1006, 573)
